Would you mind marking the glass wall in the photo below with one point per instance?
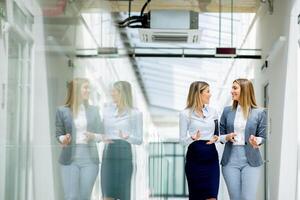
(82, 115)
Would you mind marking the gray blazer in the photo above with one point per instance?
(64, 124)
(256, 125)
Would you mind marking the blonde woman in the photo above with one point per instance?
(123, 125)
(77, 130)
(243, 129)
(199, 131)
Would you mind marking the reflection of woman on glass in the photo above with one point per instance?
(243, 129)
(77, 128)
(199, 130)
(123, 125)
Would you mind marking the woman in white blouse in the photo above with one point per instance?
(243, 129)
(199, 131)
(77, 129)
(123, 125)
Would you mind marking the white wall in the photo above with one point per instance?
(281, 76)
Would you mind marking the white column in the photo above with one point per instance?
(288, 163)
(297, 6)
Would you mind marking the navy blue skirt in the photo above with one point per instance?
(202, 170)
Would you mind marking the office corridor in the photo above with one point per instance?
(100, 84)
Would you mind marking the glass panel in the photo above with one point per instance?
(179, 176)
(18, 120)
(19, 17)
(30, 21)
(180, 150)
(169, 149)
(170, 175)
(3, 9)
(13, 120)
(165, 178)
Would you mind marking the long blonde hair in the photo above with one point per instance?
(124, 89)
(74, 98)
(247, 97)
(193, 100)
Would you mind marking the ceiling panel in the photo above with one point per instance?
(195, 5)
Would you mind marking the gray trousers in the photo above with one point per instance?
(241, 179)
(79, 177)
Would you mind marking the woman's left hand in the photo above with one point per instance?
(213, 139)
(123, 135)
(253, 141)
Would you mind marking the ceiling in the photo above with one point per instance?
(194, 5)
(165, 81)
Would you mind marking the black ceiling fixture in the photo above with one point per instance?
(137, 21)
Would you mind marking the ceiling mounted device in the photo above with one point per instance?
(165, 26)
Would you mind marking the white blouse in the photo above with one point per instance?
(239, 127)
(190, 123)
(129, 122)
(80, 123)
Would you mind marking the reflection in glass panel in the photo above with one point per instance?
(3, 9)
(14, 119)
(19, 16)
(18, 118)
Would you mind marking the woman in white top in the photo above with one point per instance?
(77, 129)
(123, 125)
(199, 131)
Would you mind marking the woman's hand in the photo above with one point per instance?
(230, 137)
(213, 139)
(253, 141)
(123, 135)
(67, 140)
(105, 139)
(196, 136)
(89, 136)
